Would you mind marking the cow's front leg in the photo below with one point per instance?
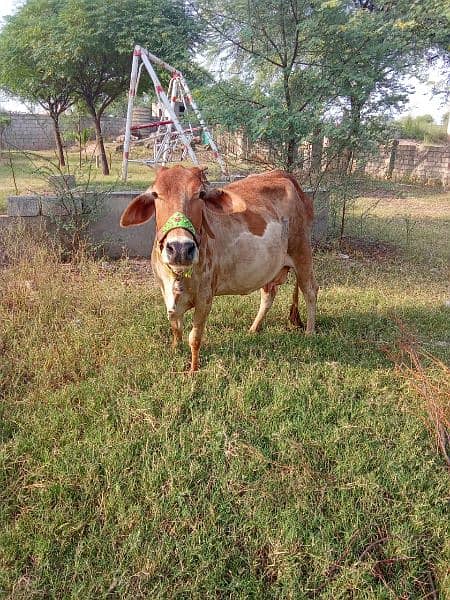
(176, 323)
(201, 313)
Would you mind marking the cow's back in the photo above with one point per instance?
(268, 192)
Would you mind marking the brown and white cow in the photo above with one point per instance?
(234, 240)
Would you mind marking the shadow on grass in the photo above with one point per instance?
(355, 339)
(391, 189)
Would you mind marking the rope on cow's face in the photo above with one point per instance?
(177, 276)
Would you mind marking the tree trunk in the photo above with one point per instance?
(291, 147)
(355, 129)
(100, 145)
(316, 152)
(58, 140)
(392, 159)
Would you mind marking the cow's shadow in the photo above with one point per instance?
(354, 338)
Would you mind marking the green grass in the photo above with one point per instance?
(31, 171)
(286, 468)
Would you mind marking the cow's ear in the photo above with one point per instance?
(221, 202)
(141, 210)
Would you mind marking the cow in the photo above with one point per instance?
(210, 242)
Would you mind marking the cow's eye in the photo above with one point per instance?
(202, 194)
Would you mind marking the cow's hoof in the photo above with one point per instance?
(294, 317)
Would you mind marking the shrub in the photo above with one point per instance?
(422, 129)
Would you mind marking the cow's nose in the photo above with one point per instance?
(189, 249)
(171, 249)
(180, 252)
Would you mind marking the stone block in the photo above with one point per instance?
(115, 240)
(104, 229)
(23, 206)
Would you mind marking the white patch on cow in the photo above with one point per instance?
(169, 298)
(252, 260)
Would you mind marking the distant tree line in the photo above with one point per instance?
(422, 128)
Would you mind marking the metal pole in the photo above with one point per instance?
(195, 108)
(131, 94)
(209, 137)
(172, 95)
(161, 93)
(160, 62)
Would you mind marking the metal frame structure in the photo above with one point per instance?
(170, 138)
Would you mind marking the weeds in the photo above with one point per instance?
(409, 227)
(432, 385)
(71, 208)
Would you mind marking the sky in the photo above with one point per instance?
(421, 101)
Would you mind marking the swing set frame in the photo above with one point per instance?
(171, 141)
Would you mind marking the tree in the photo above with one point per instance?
(84, 48)
(271, 43)
(394, 39)
(422, 128)
(24, 67)
(5, 121)
(310, 65)
(94, 41)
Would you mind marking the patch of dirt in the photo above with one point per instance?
(420, 207)
(3, 258)
(383, 193)
(404, 192)
(357, 248)
(369, 249)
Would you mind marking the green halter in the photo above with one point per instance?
(178, 219)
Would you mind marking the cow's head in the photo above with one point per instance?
(178, 199)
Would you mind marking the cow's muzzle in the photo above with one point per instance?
(181, 253)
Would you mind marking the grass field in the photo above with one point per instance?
(286, 468)
(27, 172)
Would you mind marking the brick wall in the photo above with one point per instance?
(35, 132)
(424, 164)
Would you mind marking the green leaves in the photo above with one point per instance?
(85, 48)
(314, 66)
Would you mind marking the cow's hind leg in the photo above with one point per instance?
(294, 315)
(309, 287)
(305, 278)
(268, 294)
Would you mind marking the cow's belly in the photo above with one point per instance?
(251, 261)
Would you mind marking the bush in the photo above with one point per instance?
(422, 129)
